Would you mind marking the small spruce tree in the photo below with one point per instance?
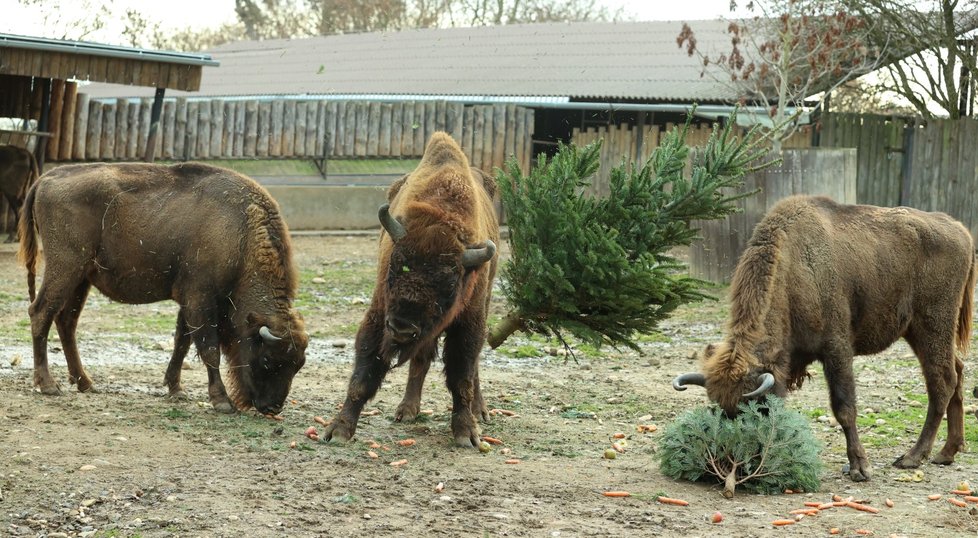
(599, 267)
(767, 448)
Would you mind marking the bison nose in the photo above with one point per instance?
(267, 408)
(402, 330)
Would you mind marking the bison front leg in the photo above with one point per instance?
(463, 342)
(842, 394)
(182, 339)
(369, 369)
(203, 326)
(410, 406)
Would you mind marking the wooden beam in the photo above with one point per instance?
(154, 125)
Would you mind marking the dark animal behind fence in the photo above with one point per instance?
(18, 171)
(208, 238)
(821, 281)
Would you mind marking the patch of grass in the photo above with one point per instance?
(526, 351)
(653, 338)
(346, 498)
(173, 413)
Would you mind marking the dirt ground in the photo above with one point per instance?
(125, 461)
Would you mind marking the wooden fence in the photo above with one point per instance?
(199, 129)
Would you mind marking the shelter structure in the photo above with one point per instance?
(39, 81)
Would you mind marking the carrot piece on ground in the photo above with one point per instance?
(677, 502)
(617, 494)
(782, 522)
(934, 497)
(813, 504)
(957, 502)
(863, 507)
(406, 442)
(971, 498)
(492, 440)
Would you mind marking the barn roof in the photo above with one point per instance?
(63, 59)
(619, 61)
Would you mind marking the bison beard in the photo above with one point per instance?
(821, 281)
(210, 239)
(437, 263)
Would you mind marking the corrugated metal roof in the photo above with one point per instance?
(602, 61)
(100, 49)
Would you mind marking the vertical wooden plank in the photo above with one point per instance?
(314, 109)
(275, 133)
(122, 129)
(349, 142)
(384, 131)
(453, 120)
(57, 100)
(193, 121)
(238, 136)
(467, 129)
(488, 134)
(68, 118)
(430, 119)
(420, 139)
(509, 132)
(288, 128)
(107, 144)
(299, 144)
(397, 128)
(180, 129)
(407, 131)
(227, 133)
(92, 149)
(82, 109)
(132, 127)
(264, 126)
(529, 117)
(362, 131)
(168, 124)
(215, 128)
(478, 136)
(373, 129)
(338, 129)
(498, 135)
(204, 129)
(145, 108)
(250, 144)
(519, 137)
(330, 116)
(441, 110)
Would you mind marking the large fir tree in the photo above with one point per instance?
(600, 267)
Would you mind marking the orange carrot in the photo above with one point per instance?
(863, 507)
(513, 461)
(971, 499)
(961, 492)
(805, 511)
(813, 504)
(782, 522)
(274, 417)
(677, 502)
(617, 494)
(788, 492)
(957, 502)
(837, 498)
(839, 503)
(619, 435)
(504, 412)
(834, 530)
(292, 444)
(370, 413)
(372, 444)
(646, 428)
(825, 506)
(313, 436)
(321, 421)
(934, 496)
(492, 440)
(888, 503)
(864, 532)
(372, 455)
(406, 442)
(398, 463)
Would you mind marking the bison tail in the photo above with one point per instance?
(963, 339)
(31, 178)
(28, 252)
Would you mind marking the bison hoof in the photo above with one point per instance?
(857, 473)
(337, 432)
(224, 407)
(407, 412)
(907, 462)
(480, 412)
(178, 394)
(465, 430)
(51, 390)
(941, 459)
(83, 383)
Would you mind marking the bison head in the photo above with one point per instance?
(430, 276)
(730, 376)
(271, 352)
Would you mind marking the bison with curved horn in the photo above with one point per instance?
(822, 281)
(437, 263)
(208, 238)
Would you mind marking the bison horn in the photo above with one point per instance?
(767, 381)
(474, 257)
(392, 225)
(694, 378)
(267, 335)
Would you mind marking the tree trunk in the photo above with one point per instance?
(509, 325)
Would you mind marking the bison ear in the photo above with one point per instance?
(256, 320)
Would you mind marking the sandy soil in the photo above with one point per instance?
(125, 461)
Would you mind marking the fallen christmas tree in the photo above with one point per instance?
(767, 448)
(600, 268)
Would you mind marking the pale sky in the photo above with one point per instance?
(174, 14)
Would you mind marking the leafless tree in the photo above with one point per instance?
(931, 51)
(788, 55)
(84, 17)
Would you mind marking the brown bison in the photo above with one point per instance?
(437, 263)
(18, 171)
(822, 281)
(208, 238)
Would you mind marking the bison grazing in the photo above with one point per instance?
(821, 281)
(437, 263)
(18, 171)
(210, 239)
